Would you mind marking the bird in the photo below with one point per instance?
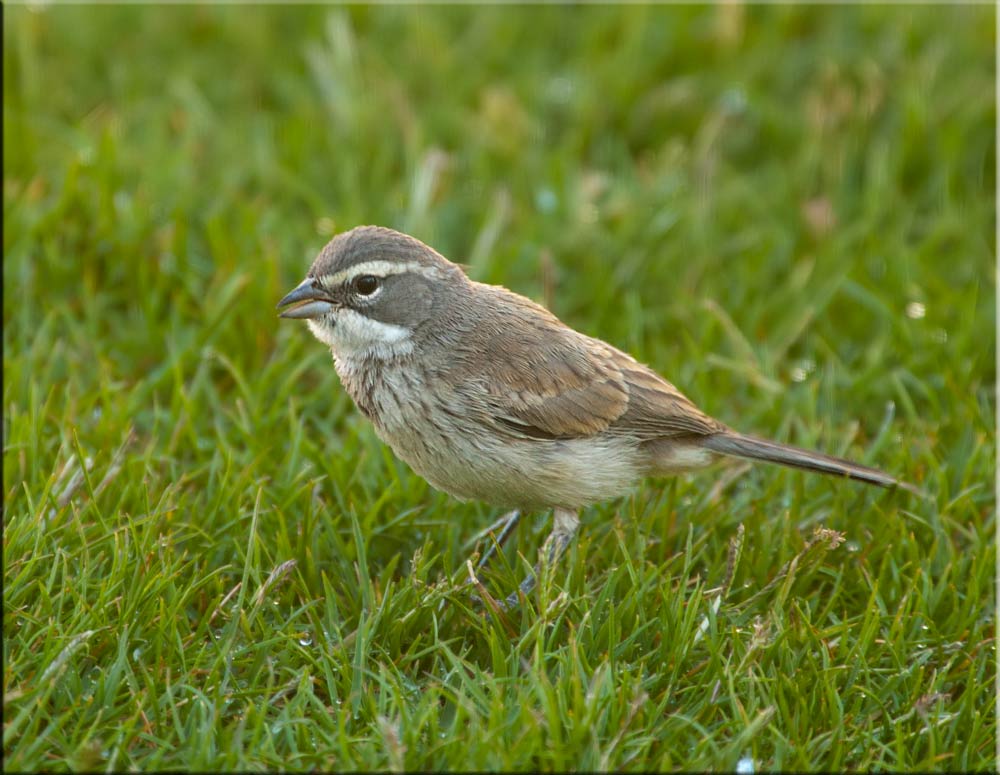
(490, 397)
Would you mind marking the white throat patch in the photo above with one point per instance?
(354, 335)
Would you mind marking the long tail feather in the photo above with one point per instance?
(750, 447)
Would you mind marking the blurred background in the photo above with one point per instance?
(171, 161)
(787, 210)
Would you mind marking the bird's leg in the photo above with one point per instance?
(565, 524)
(507, 523)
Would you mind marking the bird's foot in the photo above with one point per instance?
(565, 526)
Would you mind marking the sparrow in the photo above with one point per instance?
(489, 396)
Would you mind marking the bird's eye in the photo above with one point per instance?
(365, 285)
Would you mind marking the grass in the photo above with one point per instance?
(211, 562)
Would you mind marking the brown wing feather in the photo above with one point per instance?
(542, 379)
(548, 381)
(659, 410)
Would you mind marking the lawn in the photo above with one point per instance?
(211, 562)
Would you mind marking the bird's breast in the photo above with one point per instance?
(445, 439)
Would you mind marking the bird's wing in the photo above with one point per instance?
(545, 380)
(656, 409)
(548, 387)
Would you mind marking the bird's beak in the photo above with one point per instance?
(309, 299)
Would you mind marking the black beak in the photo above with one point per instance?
(310, 301)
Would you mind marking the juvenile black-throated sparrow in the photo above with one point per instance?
(489, 396)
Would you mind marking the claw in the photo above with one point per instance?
(565, 526)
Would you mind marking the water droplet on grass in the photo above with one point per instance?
(122, 201)
(734, 100)
(802, 371)
(560, 89)
(546, 200)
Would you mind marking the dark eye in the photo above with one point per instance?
(365, 285)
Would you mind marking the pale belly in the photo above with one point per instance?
(461, 457)
(525, 474)
(532, 474)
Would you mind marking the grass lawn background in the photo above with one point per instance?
(211, 562)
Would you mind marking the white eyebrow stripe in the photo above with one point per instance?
(378, 269)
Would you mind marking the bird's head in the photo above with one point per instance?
(372, 290)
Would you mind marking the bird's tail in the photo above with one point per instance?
(752, 448)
